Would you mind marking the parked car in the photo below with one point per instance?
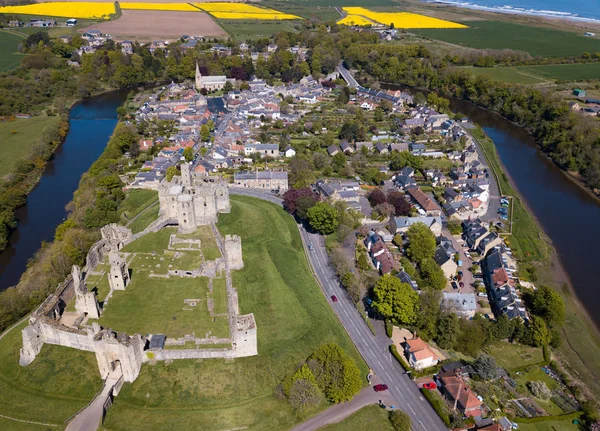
(483, 295)
(380, 388)
(454, 285)
(461, 284)
(334, 298)
(460, 273)
(468, 254)
(429, 385)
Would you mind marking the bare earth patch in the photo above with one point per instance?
(164, 25)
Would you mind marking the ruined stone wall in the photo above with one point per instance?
(233, 250)
(165, 354)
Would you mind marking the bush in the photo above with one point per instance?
(400, 421)
(389, 328)
(539, 390)
(438, 405)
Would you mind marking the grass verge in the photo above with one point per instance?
(369, 417)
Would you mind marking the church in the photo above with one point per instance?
(211, 83)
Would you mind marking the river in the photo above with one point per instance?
(568, 214)
(91, 123)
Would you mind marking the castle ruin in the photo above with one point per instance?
(193, 200)
(118, 277)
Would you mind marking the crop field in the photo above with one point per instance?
(537, 41)
(181, 7)
(293, 319)
(303, 9)
(355, 20)
(9, 56)
(403, 19)
(540, 74)
(243, 11)
(253, 29)
(64, 9)
(149, 24)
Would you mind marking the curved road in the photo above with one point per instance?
(374, 350)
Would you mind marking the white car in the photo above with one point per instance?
(482, 294)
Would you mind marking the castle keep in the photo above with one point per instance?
(193, 200)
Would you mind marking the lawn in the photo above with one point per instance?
(144, 220)
(10, 58)
(156, 306)
(210, 250)
(538, 41)
(19, 135)
(10, 425)
(511, 356)
(219, 295)
(136, 200)
(370, 417)
(99, 284)
(549, 426)
(53, 387)
(293, 319)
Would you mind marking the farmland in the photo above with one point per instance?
(252, 29)
(151, 24)
(64, 9)
(403, 19)
(540, 74)
(9, 57)
(293, 319)
(17, 138)
(538, 41)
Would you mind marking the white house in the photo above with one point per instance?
(419, 354)
(290, 152)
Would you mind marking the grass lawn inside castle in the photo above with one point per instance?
(173, 306)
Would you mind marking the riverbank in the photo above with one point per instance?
(580, 349)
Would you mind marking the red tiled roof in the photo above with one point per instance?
(500, 277)
(422, 199)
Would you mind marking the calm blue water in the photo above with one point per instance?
(576, 8)
(90, 125)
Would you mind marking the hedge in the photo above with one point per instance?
(438, 405)
(389, 328)
(396, 355)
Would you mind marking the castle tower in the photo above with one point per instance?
(186, 174)
(118, 277)
(85, 301)
(198, 78)
(233, 249)
(222, 194)
(186, 215)
(118, 350)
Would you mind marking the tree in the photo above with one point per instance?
(376, 197)
(323, 218)
(383, 211)
(429, 313)
(473, 335)
(536, 333)
(171, 172)
(485, 366)
(188, 153)
(339, 162)
(395, 300)
(204, 133)
(539, 390)
(301, 173)
(432, 274)
(448, 331)
(407, 265)
(303, 204)
(549, 305)
(421, 242)
(335, 372)
(304, 394)
(400, 421)
(399, 202)
(291, 197)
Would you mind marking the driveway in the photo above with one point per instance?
(466, 262)
(339, 412)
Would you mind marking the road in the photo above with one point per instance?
(374, 350)
(347, 76)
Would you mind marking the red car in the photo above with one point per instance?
(380, 388)
(334, 298)
(429, 385)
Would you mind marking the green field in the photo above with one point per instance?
(511, 355)
(9, 55)
(549, 426)
(538, 41)
(255, 29)
(539, 74)
(368, 418)
(303, 9)
(293, 319)
(18, 136)
(136, 200)
(53, 387)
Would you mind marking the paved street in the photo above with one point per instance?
(374, 350)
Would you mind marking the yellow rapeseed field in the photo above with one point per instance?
(181, 7)
(403, 19)
(242, 11)
(355, 20)
(63, 9)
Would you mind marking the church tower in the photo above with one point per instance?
(198, 78)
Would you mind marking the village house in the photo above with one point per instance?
(401, 224)
(502, 293)
(461, 304)
(419, 354)
(380, 254)
(289, 152)
(405, 278)
(268, 180)
(444, 256)
(478, 237)
(425, 203)
(459, 395)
